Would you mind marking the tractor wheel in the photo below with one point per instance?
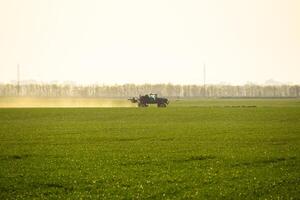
(142, 105)
(161, 105)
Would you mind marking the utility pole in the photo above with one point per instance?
(204, 79)
(18, 81)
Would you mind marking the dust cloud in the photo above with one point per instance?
(29, 102)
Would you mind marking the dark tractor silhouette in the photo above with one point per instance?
(144, 101)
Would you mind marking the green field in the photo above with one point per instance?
(201, 149)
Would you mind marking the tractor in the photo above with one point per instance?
(145, 100)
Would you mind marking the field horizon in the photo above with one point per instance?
(98, 102)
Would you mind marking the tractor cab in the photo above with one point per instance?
(153, 96)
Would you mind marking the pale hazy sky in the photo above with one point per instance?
(153, 41)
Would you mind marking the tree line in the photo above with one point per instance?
(167, 90)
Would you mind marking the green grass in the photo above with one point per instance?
(202, 149)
